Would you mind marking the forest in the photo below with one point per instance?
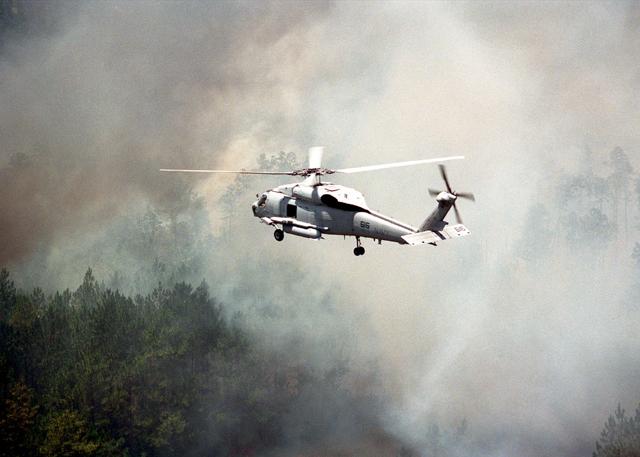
(94, 372)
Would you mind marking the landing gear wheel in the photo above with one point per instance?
(358, 250)
(278, 235)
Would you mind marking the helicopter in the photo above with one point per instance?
(313, 208)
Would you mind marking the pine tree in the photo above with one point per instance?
(620, 178)
(17, 434)
(620, 436)
(67, 434)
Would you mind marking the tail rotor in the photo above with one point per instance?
(450, 194)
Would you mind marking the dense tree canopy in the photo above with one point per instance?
(93, 372)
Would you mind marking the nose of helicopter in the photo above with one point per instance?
(254, 207)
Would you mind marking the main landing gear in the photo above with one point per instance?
(358, 250)
(278, 235)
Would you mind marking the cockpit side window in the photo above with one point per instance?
(262, 201)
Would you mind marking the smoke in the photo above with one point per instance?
(118, 90)
(533, 354)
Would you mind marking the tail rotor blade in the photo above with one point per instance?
(443, 173)
(455, 195)
(467, 195)
(458, 218)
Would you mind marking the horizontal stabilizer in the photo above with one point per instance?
(431, 237)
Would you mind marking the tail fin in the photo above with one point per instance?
(435, 221)
(446, 200)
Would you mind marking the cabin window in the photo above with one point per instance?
(262, 201)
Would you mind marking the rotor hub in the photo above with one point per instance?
(312, 171)
(446, 197)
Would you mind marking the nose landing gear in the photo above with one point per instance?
(278, 235)
(358, 250)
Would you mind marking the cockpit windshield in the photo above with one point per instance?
(262, 201)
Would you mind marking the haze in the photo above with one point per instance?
(526, 333)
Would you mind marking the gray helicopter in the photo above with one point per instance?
(313, 208)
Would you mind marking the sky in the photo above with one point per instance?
(533, 355)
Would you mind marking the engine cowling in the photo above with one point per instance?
(309, 193)
(332, 195)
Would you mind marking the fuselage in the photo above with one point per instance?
(312, 210)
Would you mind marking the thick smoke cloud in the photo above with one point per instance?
(533, 354)
(89, 112)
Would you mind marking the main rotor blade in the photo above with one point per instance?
(467, 195)
(240, 172)
(458, 218)
(396, 164)
(443, 173)
(315, 156)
